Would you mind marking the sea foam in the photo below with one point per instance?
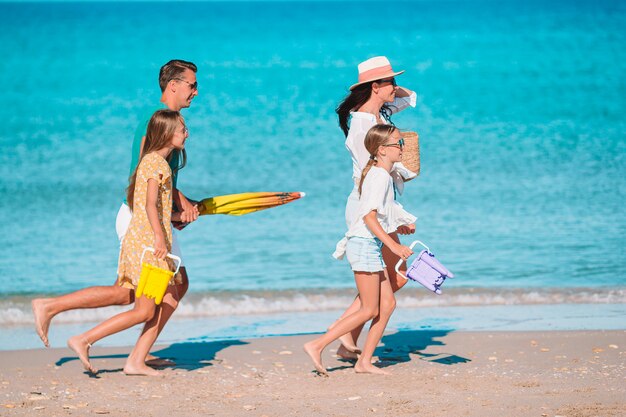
(17, 311)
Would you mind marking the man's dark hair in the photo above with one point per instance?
(173, 70)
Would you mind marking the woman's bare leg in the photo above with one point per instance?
(368, 284)
(386, 308)
(391, 259)
(142, 312)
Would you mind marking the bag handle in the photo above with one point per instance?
(169, 255)
(401, 260)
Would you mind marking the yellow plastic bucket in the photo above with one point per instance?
(153, 280)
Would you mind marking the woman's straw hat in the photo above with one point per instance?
(374, 69)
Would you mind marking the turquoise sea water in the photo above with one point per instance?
(520, 112)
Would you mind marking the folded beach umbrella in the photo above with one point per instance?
(244, 203)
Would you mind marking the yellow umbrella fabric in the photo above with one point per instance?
(244, 203)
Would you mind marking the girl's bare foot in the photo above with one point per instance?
(42, 319)
(362, 367)
(316, 356)
(81, 347)
(348, 342)
(346, 354)
(141, 369)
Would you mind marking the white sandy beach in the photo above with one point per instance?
(573, 374)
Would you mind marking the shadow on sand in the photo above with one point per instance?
(195, 355)
(399, 347)
(189, 356)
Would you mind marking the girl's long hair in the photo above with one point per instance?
(377, 136)
(353, 101)
(159, 134)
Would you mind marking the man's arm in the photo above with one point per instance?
(188, 211)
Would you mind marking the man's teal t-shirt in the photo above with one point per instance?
(140, 132)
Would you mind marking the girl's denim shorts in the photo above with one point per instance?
(364, 254)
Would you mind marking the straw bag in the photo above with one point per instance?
(411, 151)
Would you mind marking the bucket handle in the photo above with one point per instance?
(401, 260)
(169, 255)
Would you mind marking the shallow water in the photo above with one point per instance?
(445, 319)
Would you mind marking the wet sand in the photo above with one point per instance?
(435, 373)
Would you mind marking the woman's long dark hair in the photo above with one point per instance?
(354, 101)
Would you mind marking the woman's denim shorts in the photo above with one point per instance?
(364, 254)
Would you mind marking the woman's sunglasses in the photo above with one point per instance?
(388, 80)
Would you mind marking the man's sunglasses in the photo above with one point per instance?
(193, 86)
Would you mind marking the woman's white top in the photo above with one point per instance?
(377, 194)
(360, 124)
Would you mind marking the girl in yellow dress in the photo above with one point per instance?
(150, 199)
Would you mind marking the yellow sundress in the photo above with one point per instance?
(140, 234)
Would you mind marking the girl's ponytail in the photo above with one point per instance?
(377, 136)
(369, 165)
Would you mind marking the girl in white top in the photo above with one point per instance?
(372, 101)
(378, 215)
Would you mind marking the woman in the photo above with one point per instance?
(372, 100)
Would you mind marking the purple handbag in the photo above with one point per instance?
(426, 270)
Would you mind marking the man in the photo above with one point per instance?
(177, 80)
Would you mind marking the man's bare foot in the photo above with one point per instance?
(42, 319)
(368, 368)
(141, 369)
(316, 357)
(81, 348)
(344, 353)
(152, 360)
(348, 342)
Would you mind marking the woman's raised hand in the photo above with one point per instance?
(403, 92)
